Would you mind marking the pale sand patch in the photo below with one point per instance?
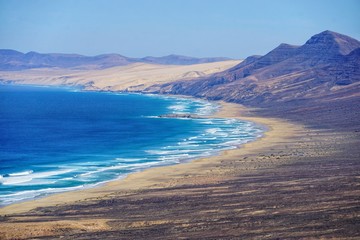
(199, 171)
(51, 228)
(133, 77)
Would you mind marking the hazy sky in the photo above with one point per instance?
(202, 28)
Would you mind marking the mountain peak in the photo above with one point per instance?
(285, 45)
(330, 33)
(331, 42)
(280, 53)
(32, 53)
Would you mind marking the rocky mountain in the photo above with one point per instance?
(14, 60)
(324, 64)
(325, 70)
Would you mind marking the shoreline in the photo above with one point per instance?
(217, 112)
(138, 180)
(294, 182)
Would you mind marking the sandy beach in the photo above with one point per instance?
(171, 175)
(286, 183)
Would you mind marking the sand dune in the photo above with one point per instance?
(133, 77)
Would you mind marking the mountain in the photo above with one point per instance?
(325, 70)
(13, 60)
(328, 60)
(181, 60)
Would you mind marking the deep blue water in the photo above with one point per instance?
(57, 139)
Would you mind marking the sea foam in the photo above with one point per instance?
(119, 138)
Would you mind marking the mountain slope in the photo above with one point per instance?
(326, 69)
(323, 64)
(11, 60)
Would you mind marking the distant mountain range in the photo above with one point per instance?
(324, 65)
(11, 60)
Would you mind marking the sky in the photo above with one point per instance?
(199, 28)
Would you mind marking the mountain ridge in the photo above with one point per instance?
(12, 60)
(325, 69)
(283, 60)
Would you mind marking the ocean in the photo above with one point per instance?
(60, 139)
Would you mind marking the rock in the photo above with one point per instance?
(184, 115)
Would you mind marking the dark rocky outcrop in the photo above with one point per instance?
(180, 115)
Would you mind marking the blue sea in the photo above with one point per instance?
(57, 139)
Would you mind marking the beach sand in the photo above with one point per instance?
(169, 175)
(295, 182)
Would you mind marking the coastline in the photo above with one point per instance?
(211, 113)
(147, 178)
(285, 184)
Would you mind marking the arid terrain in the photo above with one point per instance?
(300, 181)
(133, 77)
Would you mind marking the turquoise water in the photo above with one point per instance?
(55, 139)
